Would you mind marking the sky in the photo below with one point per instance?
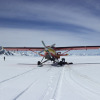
(25, 23)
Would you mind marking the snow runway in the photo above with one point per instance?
(20, 79)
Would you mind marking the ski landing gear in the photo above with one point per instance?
(55, 63)
(39, 64)
(62, 62)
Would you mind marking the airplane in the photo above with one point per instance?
(51, 53)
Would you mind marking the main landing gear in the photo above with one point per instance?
(39, 64)
(62, 62)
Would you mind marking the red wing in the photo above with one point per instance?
(56, 48)
(76, 48)
(24, 48)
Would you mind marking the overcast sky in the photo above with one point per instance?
(64, 22)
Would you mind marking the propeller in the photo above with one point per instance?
(53, 45)
(46, 48)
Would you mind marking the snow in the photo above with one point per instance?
(21, 79)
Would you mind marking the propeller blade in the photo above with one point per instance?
(41, 51)
(43, 44)
(53, 45)
(46, 48)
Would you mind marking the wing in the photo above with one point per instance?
(56, 48)
(23, 48)
(76, 48)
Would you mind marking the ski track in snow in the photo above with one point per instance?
(54, 89)
(70, 77)
(70, 82)
(50, 92)
(27, 88)
(85, 78)
(24, 90)
(16, 76)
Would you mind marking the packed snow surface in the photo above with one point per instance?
(21, 79)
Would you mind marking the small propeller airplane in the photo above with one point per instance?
(50, 52)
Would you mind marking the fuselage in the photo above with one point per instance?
(51, 53)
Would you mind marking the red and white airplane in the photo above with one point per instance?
(50, 52)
